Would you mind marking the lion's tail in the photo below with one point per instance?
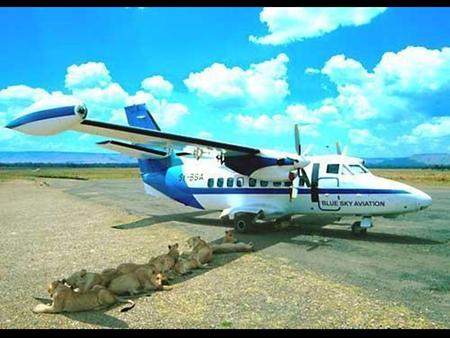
(127, 308)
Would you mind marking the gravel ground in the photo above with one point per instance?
(48, 233)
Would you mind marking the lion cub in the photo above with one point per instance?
(65, 299)
(143, 279)
(201, 251)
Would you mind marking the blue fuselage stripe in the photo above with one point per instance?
(282, 191)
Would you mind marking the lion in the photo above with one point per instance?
(143, 279)
(232, 247)
(201, 251)
(83, 280)
(229, 237)
(184, 266)
(65, 299)
(165, 263)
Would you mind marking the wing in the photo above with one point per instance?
(159, 138)
(53, 121)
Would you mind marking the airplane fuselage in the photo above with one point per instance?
(206, 184)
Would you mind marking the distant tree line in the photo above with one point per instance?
(67, 165)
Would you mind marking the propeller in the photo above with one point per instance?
(339, 151)
(294, 175)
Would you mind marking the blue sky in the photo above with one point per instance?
(377, 79)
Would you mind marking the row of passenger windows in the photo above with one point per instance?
(231, 181)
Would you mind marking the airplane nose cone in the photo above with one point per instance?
(423, 200)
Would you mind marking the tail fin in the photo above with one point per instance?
(139, 116)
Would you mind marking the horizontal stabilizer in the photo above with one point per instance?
(133, 150)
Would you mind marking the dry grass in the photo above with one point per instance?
(416, 176)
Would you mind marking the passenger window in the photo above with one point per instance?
(230, 182)
(333, 169)
(277, 184)
(251, 182)
(240, 181)
(210, 182)
(220, 182)
(288, 184)
(264, 183)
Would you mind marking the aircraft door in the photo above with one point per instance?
(328, 196)
(323, 190)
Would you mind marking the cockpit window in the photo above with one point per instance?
(357, 169)
(333, 169)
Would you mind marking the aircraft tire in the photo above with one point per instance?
(243, 222)
(357, 230)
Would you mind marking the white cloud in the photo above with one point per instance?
(261, 84)
(308, 120)
(91, 84)
(205, 134)
(311, 70)
(289, 24)
(399, 84)
(157, 86)
(21, 94)
(87, 75)
(363, 137)
(437, 127)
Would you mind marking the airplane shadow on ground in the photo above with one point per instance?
(304, 225)
(96, 317)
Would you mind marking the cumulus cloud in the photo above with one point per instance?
(261, 84)
(87, 75)
(157, 86)
(91, 84)
(363, 136)
(289, 24)
(399, 84)
(437, 127)
(308, 119)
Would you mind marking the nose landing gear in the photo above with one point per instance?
(360, 228)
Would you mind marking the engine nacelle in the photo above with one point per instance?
(50, 121)
(273, 173)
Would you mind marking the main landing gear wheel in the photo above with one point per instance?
(243, 222)
(357, 230)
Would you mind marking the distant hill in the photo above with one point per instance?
(414, 161)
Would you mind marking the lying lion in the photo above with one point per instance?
(83, 280)
(143, 279)
(232, 247)
(65, 299)
(184, 266)
(201, 251)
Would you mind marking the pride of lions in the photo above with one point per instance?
(85, 290)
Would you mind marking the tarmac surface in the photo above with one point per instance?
(315, 274)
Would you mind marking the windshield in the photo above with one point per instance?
(358, 169)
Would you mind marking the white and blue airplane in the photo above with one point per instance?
(250, 185)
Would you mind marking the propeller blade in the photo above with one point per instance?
(338, 148)
(298, 146)
(294, 191)
(305, 177)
